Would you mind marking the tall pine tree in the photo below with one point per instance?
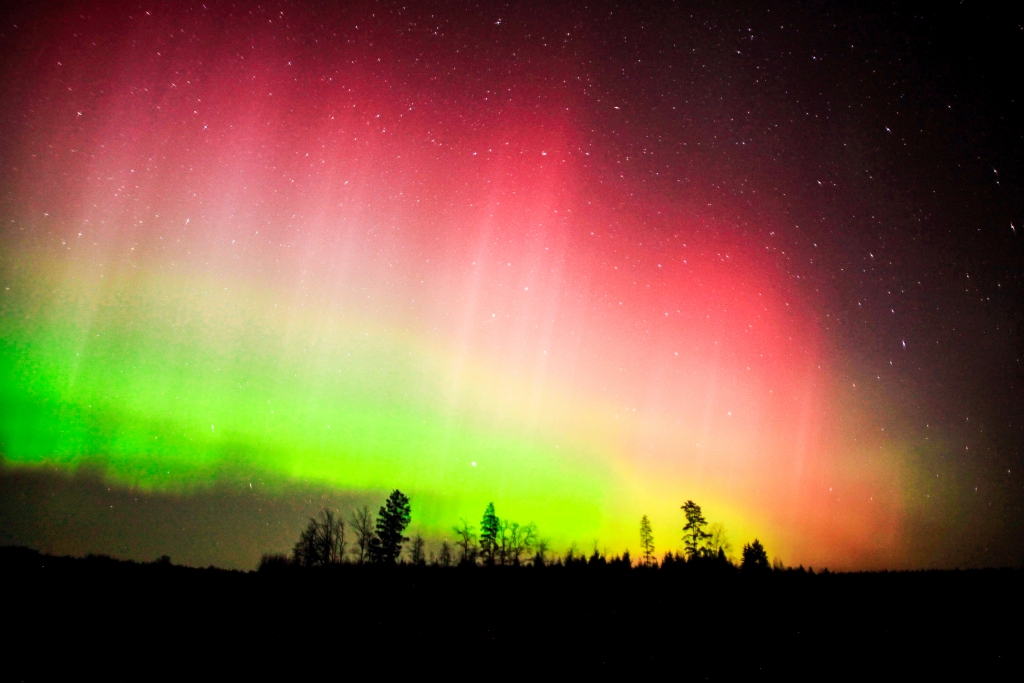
(647, 543)
(490, 527)
(393, 518)
(694, 535)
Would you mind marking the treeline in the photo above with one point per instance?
(329, 539)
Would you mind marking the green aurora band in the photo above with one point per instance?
(140, 382)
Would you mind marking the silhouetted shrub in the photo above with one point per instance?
(274, 562)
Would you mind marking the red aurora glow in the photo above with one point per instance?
(466, 205)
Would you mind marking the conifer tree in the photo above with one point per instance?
(693, 533)
(646, 542)
(540, 557)
(392, 519)
(490, 528)
(755, 558)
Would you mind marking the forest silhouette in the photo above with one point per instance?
(499, 542)
(358, 596)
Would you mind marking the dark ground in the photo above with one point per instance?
(97, 616)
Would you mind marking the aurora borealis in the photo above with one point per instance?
(586, 263)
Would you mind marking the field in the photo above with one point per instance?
(127, 620)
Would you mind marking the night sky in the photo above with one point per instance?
(585, 262)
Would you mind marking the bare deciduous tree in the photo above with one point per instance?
(416, 550)
(444, 556)
(363, 526)
(332, 537)
(520, 540)
(468, 549)
(304, 554)
(501, 543)
(322, 542)
(719, 543)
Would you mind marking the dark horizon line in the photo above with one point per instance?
(11, 555)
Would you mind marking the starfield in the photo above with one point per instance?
(652, 300)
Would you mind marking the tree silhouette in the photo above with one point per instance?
(322, 542)
(490, 529)
(416, 550)
(392, 519)
(504, 527)
(466, 544)
(693, 533)
(573, 555)
(646, 542)
(304, 551)
(623, 562)
(332, 537)
(718, 541)
(274, 562)
(520, 540)
(755, 558)
(444, 556)
(362, 525)
(540, 555)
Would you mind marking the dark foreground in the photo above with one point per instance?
(126, 620)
